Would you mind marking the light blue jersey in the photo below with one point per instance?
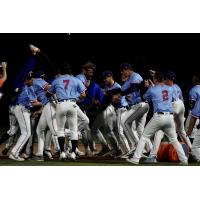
(194, 93)
(123, 102)
(82, 78)
(196, 110)
(26, 97)
(135, 97)
(80, 83)
(40, 86)
(161, 96)
(177, 94)
(66, 87)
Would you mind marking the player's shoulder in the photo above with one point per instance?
(196, 88)
(38, 81)
(177, 86)
(117, 85)
(136, 77)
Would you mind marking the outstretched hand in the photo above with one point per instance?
(34, 49)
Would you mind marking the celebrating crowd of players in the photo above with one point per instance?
(69, 110)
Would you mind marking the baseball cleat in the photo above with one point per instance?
(25, 156)
(73, 156)
(79, 153)
(144, 156)
(90, 153)
(151, 159)
(129, 154)
(133, 161)
(38, 158)
(62, 156)
(16, 158)
(183, 163)
(48, 154)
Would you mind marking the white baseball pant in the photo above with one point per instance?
(47, 121)
(66, 111)
(196, 146)
(14, 126)
(164, 122)
(179, 111)
(124, 142)
(137, 113)
(106, 119)
(23, 117)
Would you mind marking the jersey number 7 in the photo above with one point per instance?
(66, 83)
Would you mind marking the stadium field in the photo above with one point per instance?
(84, 162)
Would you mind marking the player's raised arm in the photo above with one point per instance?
(4, 74)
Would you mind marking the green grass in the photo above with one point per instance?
(82, 162)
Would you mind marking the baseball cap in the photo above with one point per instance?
(107, 74)
(39, 74)
(170, 75)
(125, 66)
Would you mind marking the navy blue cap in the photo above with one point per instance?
(107, 74)
(39, 74)
(170, 75)
(126, 66)
(28, 76)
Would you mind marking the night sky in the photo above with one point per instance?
(160, 51)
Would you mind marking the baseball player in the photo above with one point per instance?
(25, 102)
(178, 111)
(138, 109)
(193, 94)
(195, 114)
(40, 87)
(194, 98)
(110, 84)
(65, 87)
(82, 75)
(161, 96)
(18, 85)
(91, 103)
(3, 77)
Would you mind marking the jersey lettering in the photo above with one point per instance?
(165, 95)
(66, 83)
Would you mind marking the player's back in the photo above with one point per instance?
(26, 96)
(39, 86)
(66, 87)
(135, 78)
(161, 96)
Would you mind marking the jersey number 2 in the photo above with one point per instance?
(165, 95)
(66, 83)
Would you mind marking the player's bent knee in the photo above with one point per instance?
(144, 138)
(173, 140)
